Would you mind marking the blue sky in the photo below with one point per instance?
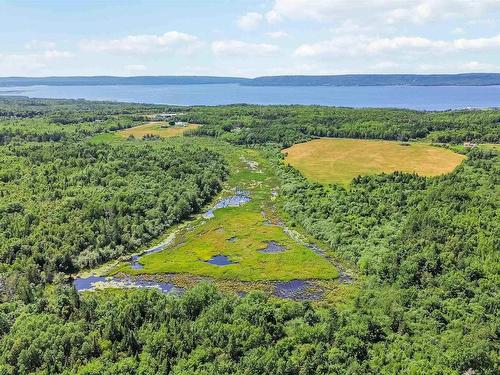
(248, 38)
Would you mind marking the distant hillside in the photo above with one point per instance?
(110, 80)
(471, 79)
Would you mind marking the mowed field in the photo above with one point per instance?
(155, 128)
(340, 160)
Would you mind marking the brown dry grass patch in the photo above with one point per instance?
(159, 128)
(330, 160)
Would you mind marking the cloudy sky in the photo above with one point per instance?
(248, 37)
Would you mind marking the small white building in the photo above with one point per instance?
(470, 144)
(166, 116)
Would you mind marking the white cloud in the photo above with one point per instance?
(135, 68)
(363, 45)
(476, 66)
(277, 34)
(458, 67)
(343, 46)
(351, 27)
(385, 66)
(141, 43)
(403, 42)
(293, 69)
(250, 21)
(39, 44)
(273, 16)
(31, 63)
(391, 11)
(302, 9)
(426, 10)
(238, 48)
(478, 43)
(54, 54)
(20, 64)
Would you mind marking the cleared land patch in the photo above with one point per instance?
(340, 160)
(490, 146)
(159, 128)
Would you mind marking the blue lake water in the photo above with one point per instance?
(415, 97)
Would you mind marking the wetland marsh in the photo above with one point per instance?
(238, 238)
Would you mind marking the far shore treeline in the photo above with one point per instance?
(465, 79)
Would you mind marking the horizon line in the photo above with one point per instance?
(254, 77)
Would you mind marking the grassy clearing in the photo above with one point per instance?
(203, 238)
(340, 160)
(159, 128)
(489, 146)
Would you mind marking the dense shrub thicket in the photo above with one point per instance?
(67, 206)
(203, 332)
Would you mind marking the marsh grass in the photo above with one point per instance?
(206, 238)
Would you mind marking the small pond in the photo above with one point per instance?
(273, 248)
(220, 260)
(232, 201)
(302, 290)
(96, 282)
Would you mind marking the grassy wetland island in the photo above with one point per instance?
(247, 239)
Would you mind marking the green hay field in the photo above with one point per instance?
(340, 160)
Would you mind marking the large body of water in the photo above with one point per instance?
(414, 97)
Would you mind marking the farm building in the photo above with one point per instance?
(166, 116)
(470, 144)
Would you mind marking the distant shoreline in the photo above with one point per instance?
(9, 92)
(347, 80)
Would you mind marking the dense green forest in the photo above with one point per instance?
(286, 125)
(67, 203)
(426, 249)
(69, 206)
